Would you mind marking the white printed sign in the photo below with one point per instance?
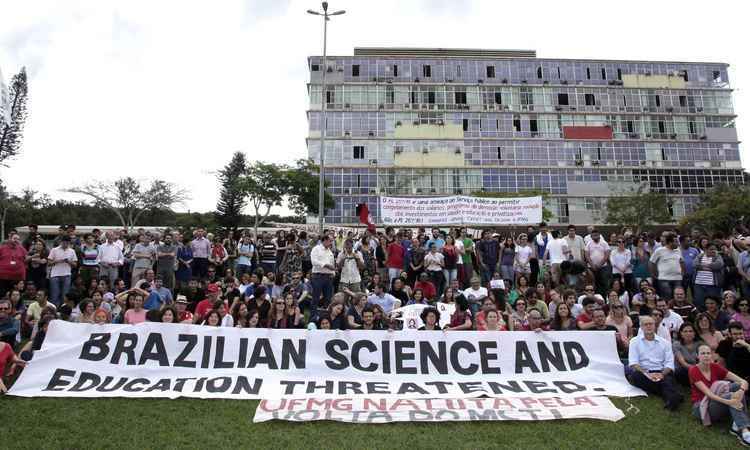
(460, 209)
(410, 315)
(384, 410)
(174, 360)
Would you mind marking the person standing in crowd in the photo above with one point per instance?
(575, 244)
(218, 256)
(689, 254)
(416, 261)
(597, 255)
(268, 252)
(488, 252)
(467, 263)
(144, 255)
(540, 241)
(245, 256)
(651, 361)
(434, 263)
(711, 402)
(201, 250)
(507, 258)
(111, 258)
(556, 251)
(166, 255)
(707, 281)
(395, 254)
(350, 263)
(37, 264)
(89, 259)
(62, 259)
(667, 266)
(621, 261)
(12, 263)
(323, 271)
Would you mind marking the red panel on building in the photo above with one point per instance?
(602, 132)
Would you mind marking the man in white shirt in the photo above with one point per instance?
(323, 270)
(556, 252)
(61, 260)
(667, 267)
(110, 258)
(597, 257)
(575, 243)
(651, 361)
(671, 321)
(475, 294)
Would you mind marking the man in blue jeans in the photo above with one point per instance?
(62, 259)
(323, 271)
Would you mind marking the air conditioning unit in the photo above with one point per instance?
(407, 106)
(449, 81)
(416, 80)
(673, 136)
(346, 133)
(670, 109)
(441, 122)
(371, 133)
(381, 106)
(373, 162)
(347, 105)
(480, 81)
(431, 106)
(424, 105)
(564, 82)
(458, 150)
(347, 191)
(425, 151)
(432, 191)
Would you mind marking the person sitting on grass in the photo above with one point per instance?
(8, 361)
(651, 362)
(711, 402)
(734, 352)
(685, 350)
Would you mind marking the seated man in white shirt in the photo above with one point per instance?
(671, 321)
(475, 294)
(384, 299)
(651, 362)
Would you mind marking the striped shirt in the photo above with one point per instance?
(704, 277)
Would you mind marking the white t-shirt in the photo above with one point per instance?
(61, 269)
(472, 294)
(523, 254)
(619, 259)
(597, 252)
(556, 251)
(668, 263)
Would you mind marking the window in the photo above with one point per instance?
(516, 123)
(329, 97)
(315, 67)
(355, 70)
(460, 98)
(358, 152)
(426, 71)
(683, 101)
(490, 71)
(458, 71)
(588, 73)
(717, 76)
(466, 124)
(590, 99)
(539, 72)
(431, 97)
(395, 70)
(658, 100)
(662, 127)
(630, 127)
(498, 98)
(558, 73)
(619, 74)
(562, 99)
(533, 127)
(604, 73)
(500, 153)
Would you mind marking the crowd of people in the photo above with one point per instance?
(678, 302)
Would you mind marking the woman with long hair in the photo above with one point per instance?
(743, 316)
(619, 319)
(213, 319)
(520, 315)
(337, 315)
(563, 319)
(168, 314)
(494, 321)
(294, 316)
(88, 309)
(277, 318)
(704, 327)
(430, 318)
(461, 318)
(685, 350)
(135, 313)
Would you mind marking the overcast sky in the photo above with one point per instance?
(171, 89)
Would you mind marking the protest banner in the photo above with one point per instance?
(384, 410)
(172, 360)
(460, 209)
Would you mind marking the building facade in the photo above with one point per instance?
(411, 122)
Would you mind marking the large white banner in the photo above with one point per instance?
(460, 209)
(384, 410)
(410, 315)
(173, 360)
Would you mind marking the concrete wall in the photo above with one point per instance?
(653, 81)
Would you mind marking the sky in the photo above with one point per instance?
(171, 89)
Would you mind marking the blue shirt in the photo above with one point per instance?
(439, 243)
(244, 260)
(651, 355)
(688, 254)
(157, 297)
(386, 301)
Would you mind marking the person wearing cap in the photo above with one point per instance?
(183, 315)
(207, 304)
(61, 260)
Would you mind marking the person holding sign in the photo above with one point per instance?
(651, 361)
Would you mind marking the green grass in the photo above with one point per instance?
(49, 423)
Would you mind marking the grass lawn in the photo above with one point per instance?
(47, 423)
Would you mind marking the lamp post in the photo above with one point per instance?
(321, 188)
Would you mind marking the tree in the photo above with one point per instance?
(302, 188)
(231, 199)
(11, 133)
(546, 213)
(638, 208)
(265, 186)
(721, 209)
(129, 200)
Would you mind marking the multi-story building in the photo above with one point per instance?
(410, 122)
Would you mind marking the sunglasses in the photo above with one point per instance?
(4, 309)
(743, 305)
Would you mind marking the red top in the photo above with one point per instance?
(203, 307)
(12, 262)
(583, 318)
(695, 375)
(395, 256)
(428, 289)
(6, 356)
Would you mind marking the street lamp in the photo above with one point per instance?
(321, 188)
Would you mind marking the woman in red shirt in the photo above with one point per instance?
(7, 357)
(702, 376)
